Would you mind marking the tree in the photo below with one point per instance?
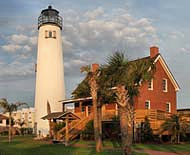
(124, 78)
(176, 126)
(92, 76)
(103, 96)
(9, 108)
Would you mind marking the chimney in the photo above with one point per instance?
(94, 67)
(153, 51)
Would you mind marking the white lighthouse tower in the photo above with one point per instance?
(49, 70)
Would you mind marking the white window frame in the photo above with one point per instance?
(168, 103)
(147, 101)
(151, 81)
(166, 85)
(46, 34)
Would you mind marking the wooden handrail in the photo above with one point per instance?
(77, 126)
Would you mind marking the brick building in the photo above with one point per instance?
(160, 92)
(157, 98)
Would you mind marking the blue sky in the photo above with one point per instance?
(92, 31)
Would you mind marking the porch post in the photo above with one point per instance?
(116, 109)
(80, 106)
(66, 131)
(86, 107)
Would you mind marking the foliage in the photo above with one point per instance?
(82, 90)
(146, 131)
(176, 126)
(89, 128)
(9, 108)
(26, 131)
(59, 126)
(88, 132)
(124, 78)
(120, 71)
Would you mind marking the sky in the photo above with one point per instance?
(93, 30)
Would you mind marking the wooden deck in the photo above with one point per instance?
(156, 118)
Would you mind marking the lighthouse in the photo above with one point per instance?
(49, 68)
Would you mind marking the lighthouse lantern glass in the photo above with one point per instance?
(50, 16)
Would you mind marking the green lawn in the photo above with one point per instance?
(25, 145)
(164, 147)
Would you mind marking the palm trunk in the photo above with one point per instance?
(126, 131)
(125, 119)
(178, 137)
(96, 134)
(9, 127)
(99, 142)
(94, 88)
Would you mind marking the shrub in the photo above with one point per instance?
(146, 131)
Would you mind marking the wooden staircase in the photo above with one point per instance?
(75, 128)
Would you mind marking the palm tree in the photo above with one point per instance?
(9, 108)
(176, 126)
(124, 78)
(92, 77)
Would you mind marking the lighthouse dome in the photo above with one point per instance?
(50, 16)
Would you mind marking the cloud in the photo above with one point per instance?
(95, 13)
(88, 37)
(18, 38)
(185, 50)
(16, 70)
(176, 35)
(93, 36)
(11, 47)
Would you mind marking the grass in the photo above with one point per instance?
(164, 147)
(25, 145)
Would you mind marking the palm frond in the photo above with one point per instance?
(86, 69)
(4, 104)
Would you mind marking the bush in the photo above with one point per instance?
(4, 133)
(88, 132)
(59, 126)
(26, 131)
(146, 131)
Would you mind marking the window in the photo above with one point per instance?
(164, 85)
(50, 34)
(168, 107)
(150, 84)
(54, 34)
(147, 105)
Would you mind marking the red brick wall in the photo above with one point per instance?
(157, 97)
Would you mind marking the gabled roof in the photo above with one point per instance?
(75, 100)
(167, 70)
(60, 116)
(157, 58)
(3, 117)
